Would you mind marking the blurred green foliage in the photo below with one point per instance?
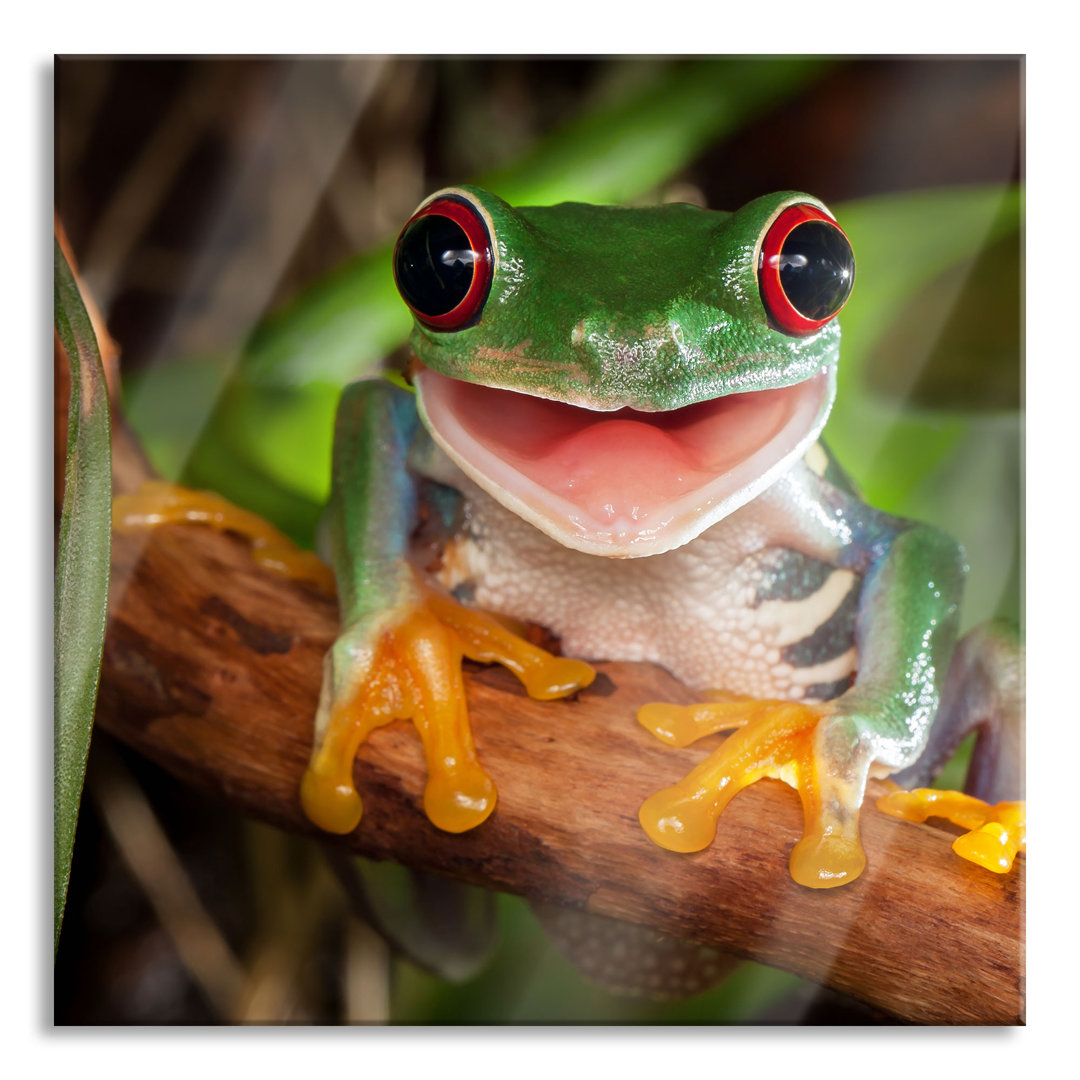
(916, 446)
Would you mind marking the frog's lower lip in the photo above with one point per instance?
(622, 483)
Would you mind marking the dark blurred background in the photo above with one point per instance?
(191, 219)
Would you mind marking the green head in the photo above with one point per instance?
(631, 313)
(606, 307)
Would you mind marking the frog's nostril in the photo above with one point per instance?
(627, 355)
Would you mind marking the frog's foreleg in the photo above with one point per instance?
(905, 631)
(372, 509)
(400, 648)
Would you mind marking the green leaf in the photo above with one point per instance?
(82, 570)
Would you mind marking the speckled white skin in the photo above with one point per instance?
(689, 610)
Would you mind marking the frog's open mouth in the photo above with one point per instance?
(622, 483)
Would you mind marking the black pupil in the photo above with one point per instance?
(434, 265)
(817, 269)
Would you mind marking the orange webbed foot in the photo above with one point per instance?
(996, 834)
(413, 671)
(777, 739)
(160, 502)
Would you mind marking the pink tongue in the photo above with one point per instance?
(615, 466)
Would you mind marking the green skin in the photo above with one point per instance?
(577, 292)
(575, 283)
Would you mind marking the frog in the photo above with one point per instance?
(612, 423)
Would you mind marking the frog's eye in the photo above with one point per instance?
(443, 263)
(806, 270)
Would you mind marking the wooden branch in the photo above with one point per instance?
(212, 669)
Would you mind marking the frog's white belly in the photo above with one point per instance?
(710, 612)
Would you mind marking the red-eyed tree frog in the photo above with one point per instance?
(615, 416)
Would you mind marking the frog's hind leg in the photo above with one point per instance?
(984, 693)
(160, 502)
